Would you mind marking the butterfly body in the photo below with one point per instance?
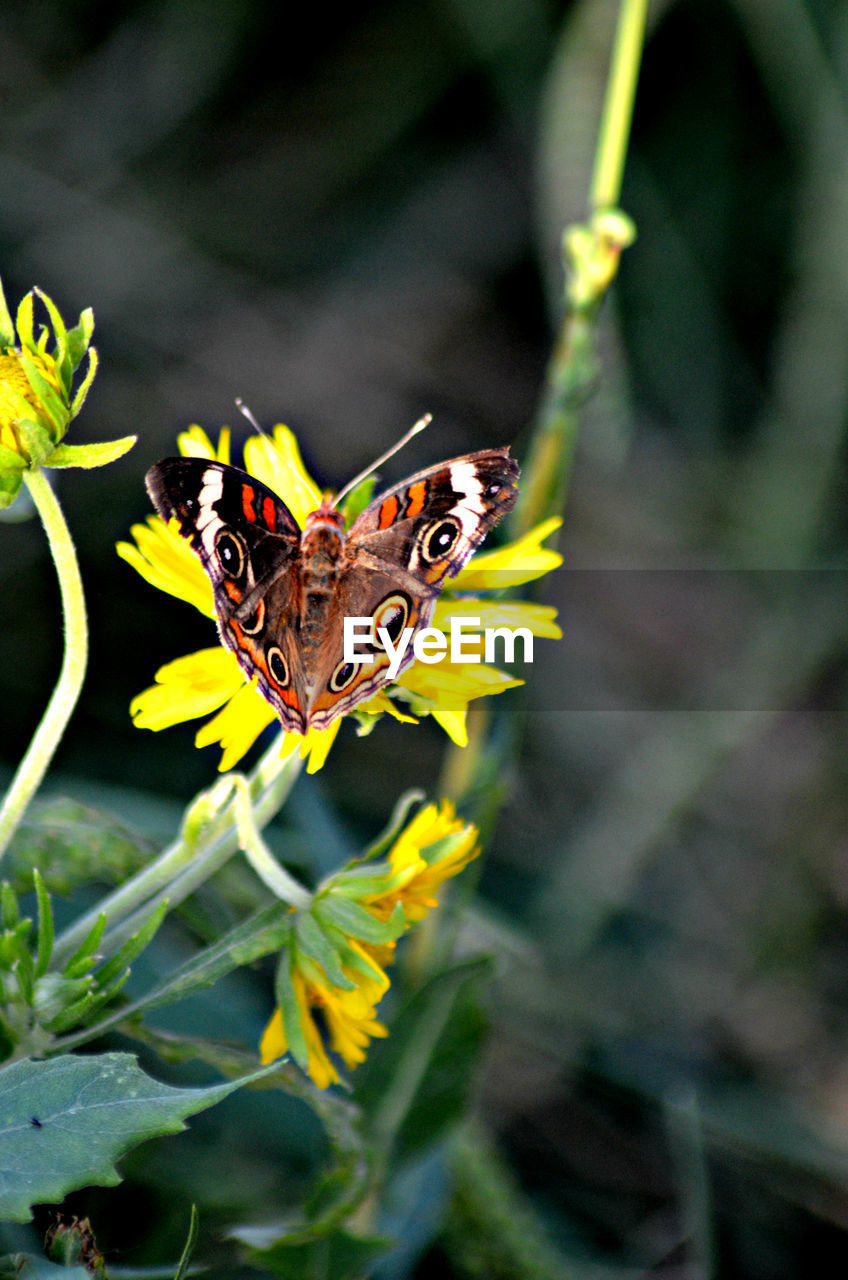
(282, 593)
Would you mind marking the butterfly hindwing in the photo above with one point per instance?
(282, 595)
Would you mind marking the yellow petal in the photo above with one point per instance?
(237, 725)
(537, 618)
(509, 566)
(276, 461)
(190, 686)
(195, 443)
(165, 559)
(451, 685)
(453, 723)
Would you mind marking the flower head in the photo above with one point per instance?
(37, 397)
(211, 681)
(332, 975)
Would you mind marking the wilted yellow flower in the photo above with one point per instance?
(344, 942)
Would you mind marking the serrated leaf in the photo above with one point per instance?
(65, 1122)
(90, 455)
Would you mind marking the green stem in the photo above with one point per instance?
(187, 863)
(617, 115)
(49, 732)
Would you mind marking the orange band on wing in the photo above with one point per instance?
(388, 512)
(247, 496)
(416, 493)
(269, 514)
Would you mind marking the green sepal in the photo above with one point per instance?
(353, 957)
(133, 947)
(48, 400)
(45, 925)
(80, 336)
(83, 388)
(24, 321)
(7, 328)
(10, 460)
(36, 439)
(290, 1008)
(81, 961)
(60, 335)
(24, 971)
(443, 847)
(358, 923)
(10, 487)
(363, 882)
(90, 455)
(54, 995)
(312, 941)
(9, 911)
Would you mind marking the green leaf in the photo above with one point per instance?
(64, 1123)
(72, 844)
(10, 486)
(45, 926)
(90, 455)
(414, 1085)
(342, 1255)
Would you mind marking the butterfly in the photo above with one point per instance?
(282, 593)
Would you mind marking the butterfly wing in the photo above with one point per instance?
(429, 526)
(248, 542)
(399, 552)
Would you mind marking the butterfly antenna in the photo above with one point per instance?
(413, 431)
(314, 494)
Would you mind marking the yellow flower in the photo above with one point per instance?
(211, 681)
(37, 398)
(377, 903)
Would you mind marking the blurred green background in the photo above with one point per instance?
(349, 216)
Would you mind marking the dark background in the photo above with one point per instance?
(349, 216)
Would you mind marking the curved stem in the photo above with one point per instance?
(188, 862)
(49, 732)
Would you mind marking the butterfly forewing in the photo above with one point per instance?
(281, 597)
